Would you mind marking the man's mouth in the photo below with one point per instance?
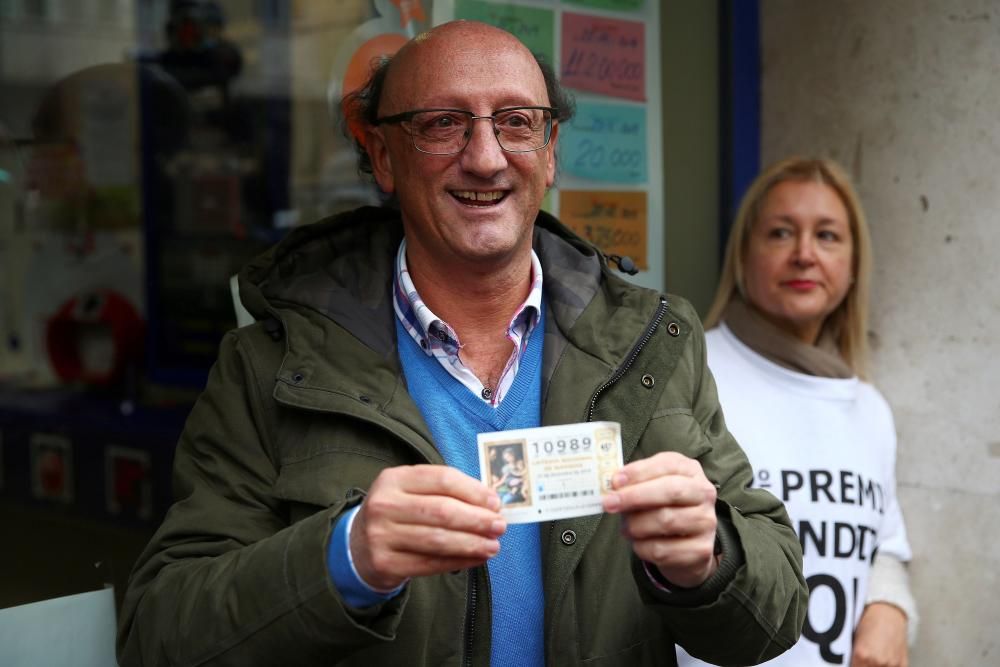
(479, 198)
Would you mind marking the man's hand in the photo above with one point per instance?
(880, 638)
(668, 513)
(421, 520)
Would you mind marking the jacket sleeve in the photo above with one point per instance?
(753, 607)
(227, 579)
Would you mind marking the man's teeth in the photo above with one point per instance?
(479, 196)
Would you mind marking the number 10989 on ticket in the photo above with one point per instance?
(551, 472)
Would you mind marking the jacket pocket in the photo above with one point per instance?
(328, 478)
(673, 430)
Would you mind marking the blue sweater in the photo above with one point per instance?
(455, 416)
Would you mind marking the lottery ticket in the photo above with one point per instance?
(551, 472)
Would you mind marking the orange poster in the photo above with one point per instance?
(613, 221)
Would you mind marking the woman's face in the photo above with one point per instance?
(798, 262)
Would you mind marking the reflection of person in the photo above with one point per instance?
(789, 356)
(75, 288)
(316, 520)
(510, 482)
(198, 54)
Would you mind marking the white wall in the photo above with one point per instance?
(906, 94)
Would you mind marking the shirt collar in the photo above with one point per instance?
(433, 333)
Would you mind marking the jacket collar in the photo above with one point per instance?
(342, 268)
(335, 276)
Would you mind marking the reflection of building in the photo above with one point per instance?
(41, 42)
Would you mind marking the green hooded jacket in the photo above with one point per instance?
(303, 409)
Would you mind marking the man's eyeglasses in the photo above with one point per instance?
(447, 131)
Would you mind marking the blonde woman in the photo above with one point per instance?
(787, 347)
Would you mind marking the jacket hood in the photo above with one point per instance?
(340, 267)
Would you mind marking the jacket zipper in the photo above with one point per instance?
(470, 618)
(623, 369)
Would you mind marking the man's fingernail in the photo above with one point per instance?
(494, 502)
(619, 480)
(612, 501)
(498, 526)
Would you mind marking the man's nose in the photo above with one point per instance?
(482, 155)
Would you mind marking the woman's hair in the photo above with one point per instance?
(848, 323)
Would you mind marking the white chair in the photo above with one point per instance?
(72, 631)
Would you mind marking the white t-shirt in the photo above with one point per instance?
(827, 448)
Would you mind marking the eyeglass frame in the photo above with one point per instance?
(406, 116)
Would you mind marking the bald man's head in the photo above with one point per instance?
(435, 49)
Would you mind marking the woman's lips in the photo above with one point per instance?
(801, 285)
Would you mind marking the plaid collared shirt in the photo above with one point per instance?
(439, 340)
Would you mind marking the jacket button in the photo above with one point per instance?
(298, 377)
(673, 329)
(648, 381)
(568, 537)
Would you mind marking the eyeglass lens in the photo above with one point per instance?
(443, 132)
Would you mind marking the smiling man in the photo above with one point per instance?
(329, 508)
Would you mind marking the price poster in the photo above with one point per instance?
(533, 26)
(606, 56)
(613, 221)
(606, 142)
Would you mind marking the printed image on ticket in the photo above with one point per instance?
(552, 472)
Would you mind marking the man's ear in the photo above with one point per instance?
(378, 153)
(550, 165)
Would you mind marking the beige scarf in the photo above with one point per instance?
(821, 360)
